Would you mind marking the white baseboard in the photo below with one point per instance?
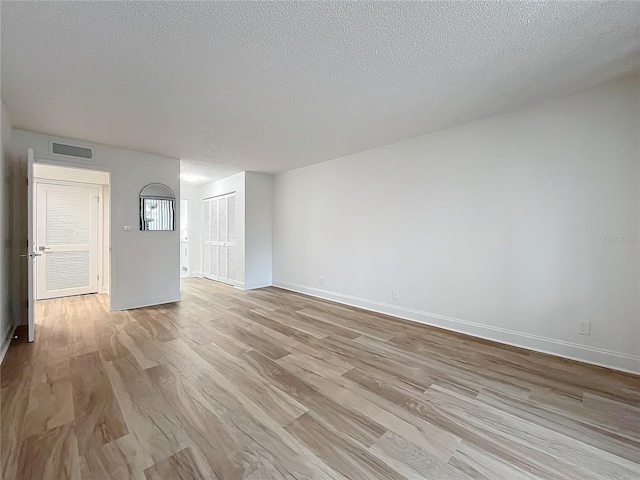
(256, 286)
(6, 342)
(197, 274)
(235, 283)
(595, 356)
(153, 304)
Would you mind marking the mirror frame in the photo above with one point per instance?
(157, 191)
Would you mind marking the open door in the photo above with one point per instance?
(31, 253)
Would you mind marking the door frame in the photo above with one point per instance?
(216, 278)
(100, 247)
(188, 242)
(31, 250)
(105, 223)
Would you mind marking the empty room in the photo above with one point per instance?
(340, 240)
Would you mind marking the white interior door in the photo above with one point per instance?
(67, 236)
(31, 254)
(219, 238)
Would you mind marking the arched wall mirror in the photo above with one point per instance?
(157, 207)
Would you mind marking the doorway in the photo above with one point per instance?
(219, 238)
(184, 237)
(71, 231)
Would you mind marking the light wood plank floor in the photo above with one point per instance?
(269, 384)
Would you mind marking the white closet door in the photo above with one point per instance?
(214, 237)
(231, 235)
(219, 238)
(206, 238)
(67, 236)
(223, 273)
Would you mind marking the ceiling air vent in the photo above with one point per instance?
(71, 150)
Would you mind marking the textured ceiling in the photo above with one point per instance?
(274, 86)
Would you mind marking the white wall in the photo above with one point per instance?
(258, 248)
(234, 183)
(495, 228)
(145, 266)
(7, 320)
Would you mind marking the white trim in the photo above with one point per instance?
(196, 274)
(154, 304)
(226, 281)
(5, 344)
(595, 356)
(103, 250)
(101, 245)
(64, 163)
(233, 192)
(72, 183)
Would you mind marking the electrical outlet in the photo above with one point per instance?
(127, 229)
(321, 280)
(395, 295)
(584, 328)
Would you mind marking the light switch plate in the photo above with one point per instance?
(127, 228)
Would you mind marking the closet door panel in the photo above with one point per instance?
(213, 232)
(206, 238)
(231, 262)
(224, 220)
(231, 231)
(223, 271)
(214, 260)
(206, 260)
